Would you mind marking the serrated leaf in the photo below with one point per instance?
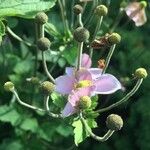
(24, 8)
(9, 114)
(29, 124)
(58, 100)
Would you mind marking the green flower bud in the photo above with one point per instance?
(114, 122)
(41, 18)
(85, 102)
(34, 80)
(43, 44)
(9, 86)
(141, 73)
(123, 4)
(101, 10)
(114, 38)
(81, 34)
(47, 87)
(78, 9)
(143, 4)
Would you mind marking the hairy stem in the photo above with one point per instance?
(17, 37)
(80, 49)
(95, 33)
(94, 136)
(109, 57)
(124, 99)
(46, 69)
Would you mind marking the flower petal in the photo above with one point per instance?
(64, 84)
(75, 95)
(70, 71)
(107, 84)
(83, 74)
(95, 72)
(86, 61)
(68, 110)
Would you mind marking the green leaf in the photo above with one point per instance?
(24, 67)
(29, 124)
(64, 130)
(79, 132)
(2, 28)
(58, 100)
(70, 54)
(25, 9)
(9, 114)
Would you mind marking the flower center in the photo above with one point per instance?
(83, 83)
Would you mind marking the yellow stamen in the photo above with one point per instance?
(83, 83)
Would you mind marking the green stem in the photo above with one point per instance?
(124, 99)
(99, 23)
(94, 136)
(80, 20)
(63, 15)
(80, 49)
(109, 57)
(17, 37)
(48, 109)
(25, 104)
(46, 69)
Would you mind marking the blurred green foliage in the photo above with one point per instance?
(23, 129)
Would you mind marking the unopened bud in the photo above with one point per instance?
(9, 86)
(143, 4)
(114, 122)
(43, 44)
(114, 38)
(41, 18)
(34, 80)
(78, 9)
(101, 10)
(85, 102)
(81, 34)
(47, 87)
(141, 73)
(123, 4)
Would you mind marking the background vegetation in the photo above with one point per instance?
(24, 129)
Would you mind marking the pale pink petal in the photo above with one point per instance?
(107, 84)
(83, 74)
(131, 8)
(75, 95)
(68, 110)
(86, 61)
(64, 84)
(70, 71)
(95, 72)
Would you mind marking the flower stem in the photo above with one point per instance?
(124, 99)
(95, 33)
(17, 37)
(25, 104)
(48, 110)
(94, 136)
(80, 49)
(109, 57)
(80, 20)
(46, 69)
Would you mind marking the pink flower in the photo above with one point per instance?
(136, 12)
(85, 82)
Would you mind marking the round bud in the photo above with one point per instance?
(101, 10)
(141, 73)
(43, 44)
(47, 87)
(85, 102)
(41, 18)
(114, 122)
(9, 86)
(123, 4)
(143, 4)
(77, 9)
(81, 34)
(34, 80)
(114, 38)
